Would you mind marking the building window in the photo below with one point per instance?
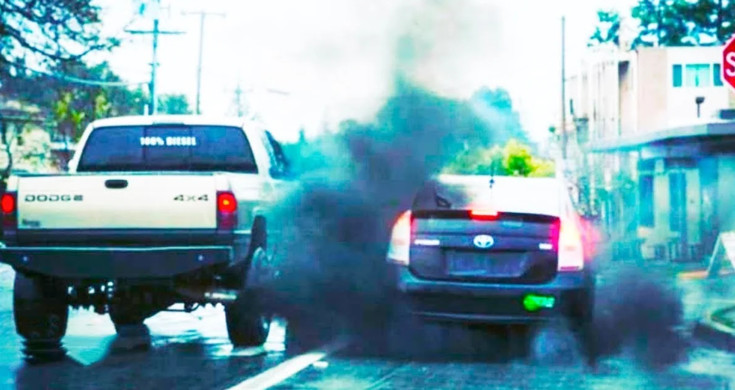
(697, 75)
(645, 215)
(677, 75)
(717, 74)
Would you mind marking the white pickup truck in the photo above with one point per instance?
(155, 210)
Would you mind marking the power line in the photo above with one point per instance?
(76, 80)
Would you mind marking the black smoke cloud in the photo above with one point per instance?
(353, 184)
(640, 311)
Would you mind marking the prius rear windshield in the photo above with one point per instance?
(167, 148)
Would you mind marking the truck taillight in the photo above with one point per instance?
(570, 249)
(226, 210)
(9, 207)
(400, 240)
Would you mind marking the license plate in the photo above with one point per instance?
(483, 265)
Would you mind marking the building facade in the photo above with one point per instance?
(653, 144)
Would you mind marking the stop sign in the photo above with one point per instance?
(728, 62)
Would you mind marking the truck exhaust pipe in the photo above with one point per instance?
(209, 296)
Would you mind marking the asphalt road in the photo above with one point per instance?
(192, 351)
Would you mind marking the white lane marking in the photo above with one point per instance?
(227, 351)
(287, 369)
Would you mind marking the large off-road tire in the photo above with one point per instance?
(124, 315)
(247, 324)
(128, 319)
(236, 276)
(41, 312)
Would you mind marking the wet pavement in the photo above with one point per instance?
(191, 351)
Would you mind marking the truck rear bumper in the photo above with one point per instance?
(115, 262)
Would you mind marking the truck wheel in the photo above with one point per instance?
(237, 275)
(247, 324)
(41, 313)
(126, 315)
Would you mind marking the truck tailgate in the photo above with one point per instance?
(124, 201)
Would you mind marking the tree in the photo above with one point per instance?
(68, 118)
(607, 30)
(48, 30)
(517, 159)
(672, 23)
(513, 159)
(173, 104)
(63, 99)
(713, 19)
(479, 161)
(664, 23)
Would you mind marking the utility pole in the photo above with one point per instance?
(153, 105)
(563, 91)
(202, 16)
(154, 67)
(239, 106)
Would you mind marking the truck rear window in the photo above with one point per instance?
(167, 148)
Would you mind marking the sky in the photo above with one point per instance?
(311, 63)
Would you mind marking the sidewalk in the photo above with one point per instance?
(716, 323)
(718, 327)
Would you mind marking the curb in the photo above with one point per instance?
(716, 330)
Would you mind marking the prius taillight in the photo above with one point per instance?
(226, 210)
(570, 249)
(400, 240)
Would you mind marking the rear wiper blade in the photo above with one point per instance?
(441, 201)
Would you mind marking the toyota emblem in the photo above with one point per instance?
(483, 241)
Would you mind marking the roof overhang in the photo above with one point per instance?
(680, 134)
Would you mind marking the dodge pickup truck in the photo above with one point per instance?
(153, 211)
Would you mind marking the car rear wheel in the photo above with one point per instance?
(41, 313)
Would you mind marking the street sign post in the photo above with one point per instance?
(728, 63)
